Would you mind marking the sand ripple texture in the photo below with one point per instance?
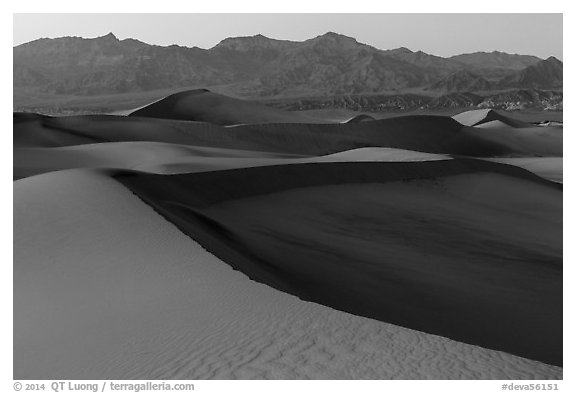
(106, 288)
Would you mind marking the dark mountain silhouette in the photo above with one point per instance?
(258, 66)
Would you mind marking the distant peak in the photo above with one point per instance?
(246, 38)
(109, 36)
(402, 49)
(335, 36)
(243, 43)
(553, 59)
(257, 37)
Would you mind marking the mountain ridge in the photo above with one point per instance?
(261, 67)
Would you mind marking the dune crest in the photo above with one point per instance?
(429, 134)
(204, 105)
(168, 158)
(208, 237)
(231, 213)
(481, 116)
(152, 304)
(359, 118)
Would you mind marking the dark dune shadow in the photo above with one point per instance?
(431, 134)
(446, 247)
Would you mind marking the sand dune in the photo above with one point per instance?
(182, 147)
(539, 141)
(481, 116)
(493, 124)
(153, 157)
(359, 118)
(547, 167)
(410, 250)
(165, 158)
(203, 105)
(342, 238)
(105, 288)
(32, 130)
(430, 134)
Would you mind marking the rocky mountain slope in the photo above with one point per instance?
(544, 74)
(509, 100)
(260, 67)
(461, 81)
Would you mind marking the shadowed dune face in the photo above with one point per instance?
(167, 158)
(203, 105)
(105, 288)
(547, 167)
(459, 245)
(31, 130)
(424, 222)
(539, 141)
(481, 116)
(521, 136)
(431, 134)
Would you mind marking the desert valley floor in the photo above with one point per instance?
(204, 237)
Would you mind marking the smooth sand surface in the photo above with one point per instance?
(539, 141)
(385, 219)
(479, 116)
(430, 134)
(165, 158)
(203, 105)
(104, 287)
(473, 117)
(493, 124)
(547, 167)
(153, 157)
(409, 248)
(32, 130)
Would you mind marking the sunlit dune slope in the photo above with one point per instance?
(105, 288)
(359, 118)
(481, 116)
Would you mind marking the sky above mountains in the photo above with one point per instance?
(440, 34)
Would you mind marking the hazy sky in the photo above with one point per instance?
(439, 34)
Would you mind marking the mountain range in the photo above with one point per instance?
(260, 67)
(288, 74)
